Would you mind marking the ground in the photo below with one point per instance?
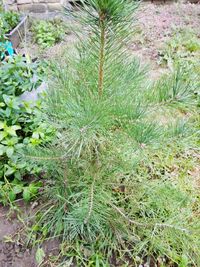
(13, 251)
(156, 24)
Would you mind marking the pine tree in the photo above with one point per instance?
(98, 104)
(89, 102)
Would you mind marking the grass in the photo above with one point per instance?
(182, 49)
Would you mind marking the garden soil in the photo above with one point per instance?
(14, 251)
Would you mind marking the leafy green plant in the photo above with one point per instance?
(18, 75)
(1, 6)
(40, 255)
(10, 20)
(10, 191)
(20, 124)
(48, 33)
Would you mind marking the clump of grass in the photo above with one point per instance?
(145, 133)
(175, 88)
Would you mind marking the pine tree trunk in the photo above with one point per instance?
(101, 57)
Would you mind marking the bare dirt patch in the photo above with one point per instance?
(12, 254)
(14, 251)
(157, 24)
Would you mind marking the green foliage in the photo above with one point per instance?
(10, 191)
(40, 255)
(10, 19)
(178, 87)
(21, 124)
(144, 132)
(183, 49)
(48, 33)
(18, 75)
(104, 191)
(179, 128)
(1, 6)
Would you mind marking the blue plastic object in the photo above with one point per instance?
(7, 46)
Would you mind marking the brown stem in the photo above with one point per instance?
(101, 57)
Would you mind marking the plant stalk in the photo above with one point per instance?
(101, 56)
